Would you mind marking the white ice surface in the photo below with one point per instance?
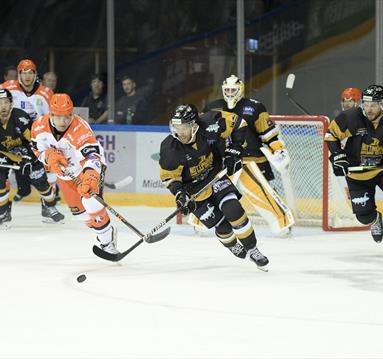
(186, 296)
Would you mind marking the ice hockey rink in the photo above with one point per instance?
(186, 296)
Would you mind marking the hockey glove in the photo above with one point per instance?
(185, 203)
(340, 164)
(89, 183)
(232, 159)
(281, 160)
(26, 165)
(54, 160)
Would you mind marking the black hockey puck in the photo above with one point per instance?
(81, 278)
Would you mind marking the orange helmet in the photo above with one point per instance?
(61, 105)
(351, 93)
(26, 65)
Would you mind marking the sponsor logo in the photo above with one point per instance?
(221, 185)
(208, 214)
(247, 110)
(361, 200)
(150, 183)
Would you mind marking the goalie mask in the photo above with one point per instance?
(183, 125)
(233, 90)
(372, 102)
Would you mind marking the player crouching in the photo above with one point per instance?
(191, 157)
(65, 142)
(16, 153)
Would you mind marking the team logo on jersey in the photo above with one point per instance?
(208, 214)
(361, 132)
(24, 120)
(361, 200)
(213, 128)
(39, 102)
(248, 110)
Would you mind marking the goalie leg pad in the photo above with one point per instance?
(264, 199)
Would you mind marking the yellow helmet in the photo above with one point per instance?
(233, 89)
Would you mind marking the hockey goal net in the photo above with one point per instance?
(309, 188)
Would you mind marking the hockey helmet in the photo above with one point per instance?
(373, 93)
(183, 124)
(350, 98)
(233, 89)
(61, 105)
(4, 93)
(25, 65)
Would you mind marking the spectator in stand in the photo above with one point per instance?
(131, 107)
(50, 80)
(96, 101)
(10, 73)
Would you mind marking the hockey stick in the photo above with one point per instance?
(120, 184)
(150, 238)
(364, 168)
(13, 167)
(289, 89)
(117, 257)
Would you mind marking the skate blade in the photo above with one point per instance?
(51, 221)
(263, 269)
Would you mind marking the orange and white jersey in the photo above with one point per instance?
(36, 104)
(78, 144)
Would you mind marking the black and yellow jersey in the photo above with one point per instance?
(15, 136)
(364, 141)
(193, 165)
(261, 128)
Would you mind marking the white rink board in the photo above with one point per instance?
(187, 296)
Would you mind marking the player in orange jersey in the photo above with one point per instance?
(33, 98)
(63, 140)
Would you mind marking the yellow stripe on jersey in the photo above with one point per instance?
(334, 133)
(27, 134)
(11, 156)
(168, 176)
(230, 121)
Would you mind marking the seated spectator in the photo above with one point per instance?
(96, 101)
(10, 73)
(130, 108)
(50, 80)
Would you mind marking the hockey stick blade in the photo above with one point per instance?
(120, 184)
(118, 256)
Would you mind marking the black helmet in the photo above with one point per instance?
(372, 93)
(184, 114)
(4, 93)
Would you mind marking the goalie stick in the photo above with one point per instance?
(120, 184)
(117, 257)
(289, 90)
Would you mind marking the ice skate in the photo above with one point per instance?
(258, 258)
(377, 229)
(50, 214)
(6, 217)
(111, 247)
(238, 250)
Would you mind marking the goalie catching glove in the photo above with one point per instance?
(340, 163)
(54, 159)
(232, 159)
(89, 183)
(185, 202)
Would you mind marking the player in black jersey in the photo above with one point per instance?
(262, 138)
(191, 156)
(16, 152)
(363, 128)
